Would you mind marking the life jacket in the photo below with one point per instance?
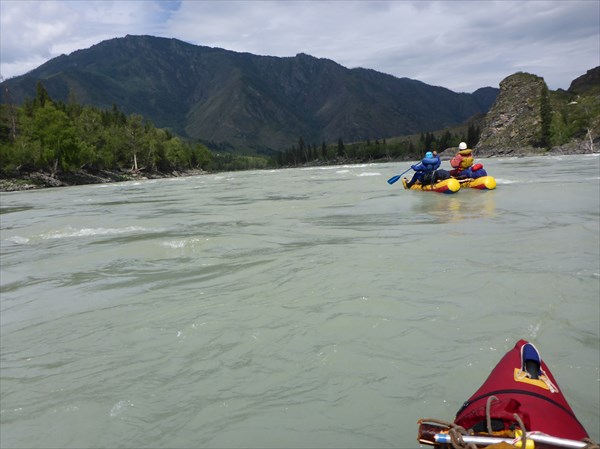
(463, 159)
(431, 163)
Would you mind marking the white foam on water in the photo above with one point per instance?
(18, 240)
(120, 407)
(321, 167)
(505, 181)
(534, 330)
(87, 232)
(183, 243)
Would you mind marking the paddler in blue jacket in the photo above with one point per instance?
(428, 164)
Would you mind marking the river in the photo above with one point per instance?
(317, 307)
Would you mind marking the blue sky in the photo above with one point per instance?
(460, 45)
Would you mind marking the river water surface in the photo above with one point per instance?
(316, 307)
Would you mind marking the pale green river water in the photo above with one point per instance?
(316, 307)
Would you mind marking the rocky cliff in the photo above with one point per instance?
(513, 124)
(529, 119)
(586, 82)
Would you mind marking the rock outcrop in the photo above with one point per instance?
(586, 82)
(513, 124)
(528, 119)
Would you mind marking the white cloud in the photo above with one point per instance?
(461, 45)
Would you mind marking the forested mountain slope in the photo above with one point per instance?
(245, 102)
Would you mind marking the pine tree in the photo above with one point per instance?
(341, 150)
(41, 96)
(473, 134)
(546, 117)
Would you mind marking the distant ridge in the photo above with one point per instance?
(244, 102)
(586, 82)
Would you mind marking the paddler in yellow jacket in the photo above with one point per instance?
(463, 166)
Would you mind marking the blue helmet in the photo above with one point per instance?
(429, 154)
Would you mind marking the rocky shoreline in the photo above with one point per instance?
(574, 147)
(41, 180)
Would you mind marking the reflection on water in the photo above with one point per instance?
(464, 205)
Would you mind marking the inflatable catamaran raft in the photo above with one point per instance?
(452, 185)
(449, 185)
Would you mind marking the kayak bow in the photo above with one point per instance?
(519, 404)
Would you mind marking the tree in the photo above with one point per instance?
(73, 106)
(445, 140)
(134, 132)
(302, 150)
(58, 138)
(5, 124)
(41, 96)
(546, 118)
(429, 141)
(8, 117)
(201, 156)
(473, 134)
(89, 129)
(341, 151)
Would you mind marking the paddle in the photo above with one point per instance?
(393, 179)
(531, 436)
(430, 434)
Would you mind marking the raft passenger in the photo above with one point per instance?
(428, 165)
(462, 164)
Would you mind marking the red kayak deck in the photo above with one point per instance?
(535, 398)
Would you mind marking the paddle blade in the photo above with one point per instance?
(393, 179)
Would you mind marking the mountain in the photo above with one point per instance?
(587, 82)
(244, 101)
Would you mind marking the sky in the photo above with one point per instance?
(460, 45)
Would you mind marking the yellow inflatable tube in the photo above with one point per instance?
(483, 183)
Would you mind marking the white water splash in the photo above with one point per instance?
(87, 232)
(183, 243)
(18, 240)
(120, 407)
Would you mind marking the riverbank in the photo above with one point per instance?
(41, 180)
(578, 146)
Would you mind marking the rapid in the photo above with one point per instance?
(312, 307)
